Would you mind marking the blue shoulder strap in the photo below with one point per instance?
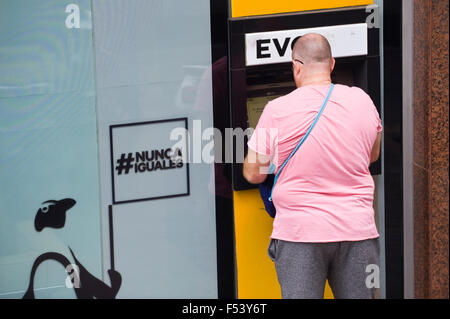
(302, 140)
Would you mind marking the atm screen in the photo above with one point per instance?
(255, 107)
(259, 95)
(264, 84)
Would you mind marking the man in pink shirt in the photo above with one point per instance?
(324, 226)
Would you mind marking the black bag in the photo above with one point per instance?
(266, 187)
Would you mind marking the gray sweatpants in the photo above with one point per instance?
(303, 268)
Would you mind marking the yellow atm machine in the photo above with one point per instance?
(260, 38)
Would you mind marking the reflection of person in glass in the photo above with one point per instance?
(220, 176)
(324, 227)
(220, 181)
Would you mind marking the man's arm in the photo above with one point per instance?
(256, 167)
(376, 149)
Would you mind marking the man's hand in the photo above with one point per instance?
(256, 167)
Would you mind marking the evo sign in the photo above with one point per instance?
(275, 46)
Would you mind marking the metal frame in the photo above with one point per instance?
(408, 146)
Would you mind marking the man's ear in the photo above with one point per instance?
(296, 69)
(333, 63)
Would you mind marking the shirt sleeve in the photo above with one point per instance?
(263, 139)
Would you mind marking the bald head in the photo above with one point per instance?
(317, 63)
(312, 48)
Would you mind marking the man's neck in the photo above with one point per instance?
(319, 79)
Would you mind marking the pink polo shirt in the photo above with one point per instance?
(325, 192)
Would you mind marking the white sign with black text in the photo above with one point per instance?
(275, 46)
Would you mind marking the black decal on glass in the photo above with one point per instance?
(53, 214)
(90, 287)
